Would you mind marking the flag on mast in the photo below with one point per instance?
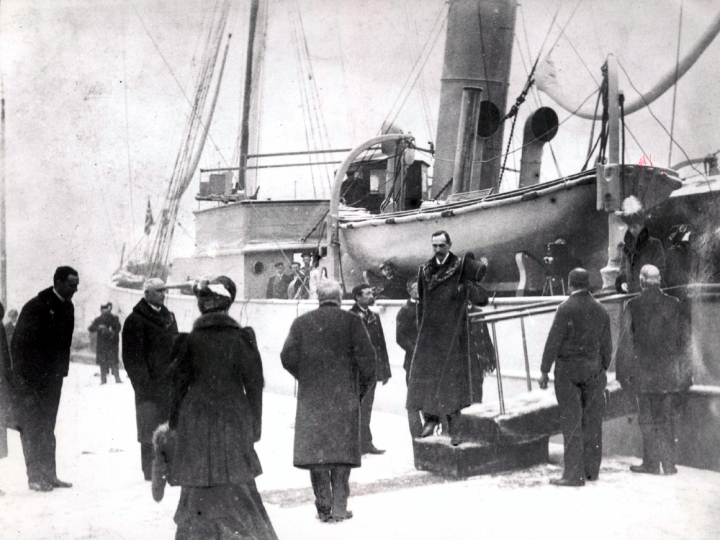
(149, 221)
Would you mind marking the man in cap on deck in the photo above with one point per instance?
(638, 248)
(580, 345)
(147, 339)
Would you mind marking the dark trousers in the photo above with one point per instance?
(580, 392)
(366, 440)
(146, 459)
(105, 368)
(37, 431)
(658, 415)
(331, 485)
(414, 421)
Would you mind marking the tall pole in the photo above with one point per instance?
(3, 254)
(247, 95)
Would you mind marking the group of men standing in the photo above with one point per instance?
(37, 360)
(338, 357)
(292, 283)
(652, 362)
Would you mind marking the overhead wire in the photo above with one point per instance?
(677, 68)
(419, 64)
(307, 123)
(172, 73)
(716, 200)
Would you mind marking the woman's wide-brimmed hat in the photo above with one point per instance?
(220, 286)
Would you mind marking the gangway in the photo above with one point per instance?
(514, 433)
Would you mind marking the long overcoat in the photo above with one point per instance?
(216, 404)
(653, 349)
(636, 253)
(440, 375)
(406, 333)
(108, 329)
(374, 328)
(41, 342)
(147, 339)
(329, 352)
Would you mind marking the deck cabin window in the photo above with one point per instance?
(375, 181)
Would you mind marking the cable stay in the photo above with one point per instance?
(547, 77)
(196, 131)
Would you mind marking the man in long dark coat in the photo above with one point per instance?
(330, 354)
(580, 345)
(653, 361)
(41, 359)
(406, 333)
(108, 329)
(147, 339)
(638, 249)
(440, 378)
(364, 298)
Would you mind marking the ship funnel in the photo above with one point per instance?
(478, 52)
(540, 127)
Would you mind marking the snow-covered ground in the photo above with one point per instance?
(98, 452)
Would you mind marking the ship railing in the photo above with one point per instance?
(520, 313)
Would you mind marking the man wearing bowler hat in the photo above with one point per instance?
(440, 381)
(580, 346)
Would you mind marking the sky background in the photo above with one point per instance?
(96, 98)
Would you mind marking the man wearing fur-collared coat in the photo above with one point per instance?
(330, 354)
(440, 382)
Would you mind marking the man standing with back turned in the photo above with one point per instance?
(329, 352)
(41, 359)
(147, 339)
(580, 344)
(653, 361)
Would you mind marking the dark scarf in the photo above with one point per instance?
(435, 273)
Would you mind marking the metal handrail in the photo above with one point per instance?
(539, 308)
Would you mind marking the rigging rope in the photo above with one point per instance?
(716, 200)
(305, 106)
(439, 19)
(172, 73)
(186, 162)
(677, 71)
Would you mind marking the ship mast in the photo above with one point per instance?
(247, 180)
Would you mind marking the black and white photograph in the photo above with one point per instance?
(332, 269)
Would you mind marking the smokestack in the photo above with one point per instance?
(466, 139)
(478, 52)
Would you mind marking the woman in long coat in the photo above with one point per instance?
(216, 412)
